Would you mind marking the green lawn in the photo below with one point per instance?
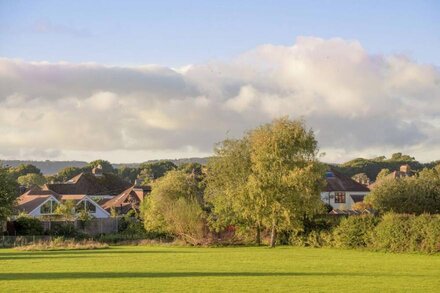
(146, 269)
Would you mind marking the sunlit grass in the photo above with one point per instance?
(146, 269)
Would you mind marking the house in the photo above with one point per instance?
(342, 192)
(404, 171)
(38, 202)
(129, 199)
(96, 185)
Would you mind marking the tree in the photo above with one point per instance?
(8, 193)
(127, 173)
(105, 165)
(66, 210)
(68, 173)
(418, 194)
(31, 180)
(382, 174)
(153, 171)
(175, 206)
(286, 178)
(227, 193)
(23, 169)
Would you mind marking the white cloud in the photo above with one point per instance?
(358, 103)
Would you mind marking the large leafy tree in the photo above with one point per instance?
(31, 180)
(286, 178)
(269, 179)
(106, 165)
(227, 192)
(175, 206)
(152, 171)
(8, 193)
(23, 169)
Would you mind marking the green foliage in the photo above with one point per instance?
(25, 225)
(65, 229)
(269, 179)
(66, 210)
(105, 165)
(8, 193)
(31, 180)
(355, 231)
(418, 194)
(23, 169)
(153, 171)
(286, 178)
(128, 174)
(67, 173)
(372, 167)
(382, 174)
(175, 206)
(408, 233)
(226, 191)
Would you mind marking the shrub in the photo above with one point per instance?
(355, 231)
(59, 243)
(28, 226)
(66, 229)
(408, 233)
(393, 233)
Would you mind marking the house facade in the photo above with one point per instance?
(342, 192)
(43, 203)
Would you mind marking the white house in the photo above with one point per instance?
(38, 203)
(342, 192)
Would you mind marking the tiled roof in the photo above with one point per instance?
(28, 203)
(337, 181)
(86, 183)
(125, 199)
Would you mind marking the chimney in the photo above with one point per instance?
(405, 169)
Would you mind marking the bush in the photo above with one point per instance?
(28, 226)
(408, 233)
(355, 231)
(59, 243)
(65, 229)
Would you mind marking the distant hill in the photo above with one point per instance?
(46, 167)
(52, 167)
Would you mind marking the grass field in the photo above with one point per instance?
(146, 269)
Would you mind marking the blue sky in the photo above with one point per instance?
(175, 33)
(77, 81)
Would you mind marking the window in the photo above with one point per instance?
(90, 207)
(340, 197)
(87, 206)
(48, 207)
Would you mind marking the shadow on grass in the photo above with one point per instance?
(115, 275)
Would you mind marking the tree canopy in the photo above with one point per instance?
(277, 179)
(8, 193)
(175, 207)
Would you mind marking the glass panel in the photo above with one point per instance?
(46, 208)
(80, 206)
(91, 208)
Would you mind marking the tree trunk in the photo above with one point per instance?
(258, 236)
(273, 235)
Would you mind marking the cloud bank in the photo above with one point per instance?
(359, 104)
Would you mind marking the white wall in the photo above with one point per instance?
(329, 198)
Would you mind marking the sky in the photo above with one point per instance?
(130, 81)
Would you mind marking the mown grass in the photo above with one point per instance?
(234, 269)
